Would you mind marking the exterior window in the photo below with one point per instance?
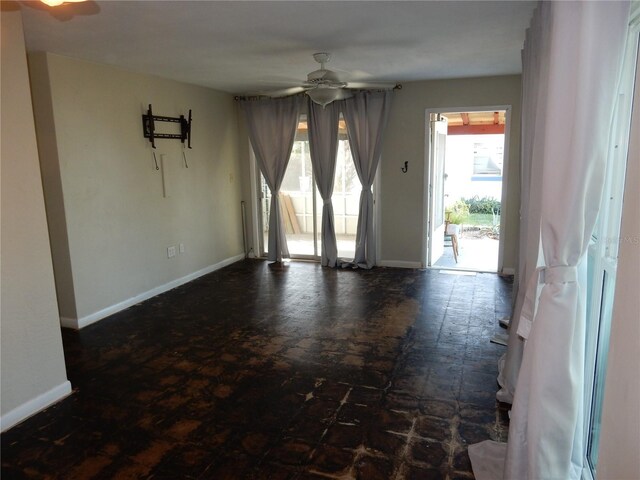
(487, 159)
(603, 258)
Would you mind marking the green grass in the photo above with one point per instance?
(480, 219)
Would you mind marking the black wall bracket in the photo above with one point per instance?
(149, 128)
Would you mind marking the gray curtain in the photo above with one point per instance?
(366, 115)
(323, 146)
(272, 125)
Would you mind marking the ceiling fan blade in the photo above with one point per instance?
(283, 92)
(370, 85)
(344, 93)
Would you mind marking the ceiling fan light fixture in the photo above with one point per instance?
(323, 96)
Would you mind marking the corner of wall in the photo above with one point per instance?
(33, 369)
(51, 181)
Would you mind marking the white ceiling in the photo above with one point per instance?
(246, 46)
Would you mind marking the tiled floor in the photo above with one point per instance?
(298, 373)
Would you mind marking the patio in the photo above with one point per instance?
(476, 253)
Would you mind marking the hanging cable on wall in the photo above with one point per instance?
(155, 160)
(184, 156)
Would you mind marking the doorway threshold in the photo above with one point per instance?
(455, 272)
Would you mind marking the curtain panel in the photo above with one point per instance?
(533, 114)
(272, 125)
(366, 115)
(323, 147)
(578, 78)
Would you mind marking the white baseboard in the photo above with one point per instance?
(69, 322)
(105, 312)
(33, 406)
(398, 264)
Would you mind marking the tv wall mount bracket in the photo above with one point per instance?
(149, 129)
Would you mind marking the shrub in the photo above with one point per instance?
(482, 205)
(458, 212)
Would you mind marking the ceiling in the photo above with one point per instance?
(475, 118)
(246, 47)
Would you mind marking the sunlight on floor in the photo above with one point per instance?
(302, 244)
(477, 254)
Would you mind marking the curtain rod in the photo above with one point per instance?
(397, 86)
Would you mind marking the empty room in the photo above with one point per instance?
(231, 247)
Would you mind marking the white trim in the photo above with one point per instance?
(68, 322)
(377, 211)
(105, 312)
(426, 177)
(504, 204)
(35, 405)
(399, 264)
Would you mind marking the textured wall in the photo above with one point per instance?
(112, 214)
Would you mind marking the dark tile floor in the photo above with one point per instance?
(298, 373)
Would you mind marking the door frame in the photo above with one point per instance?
(435, 166)
(504, 205)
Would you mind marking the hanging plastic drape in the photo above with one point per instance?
(366, 115)
(323, 147)
(578, 76)
(272, 125)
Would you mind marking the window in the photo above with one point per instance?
(602, 260)
(487, 156)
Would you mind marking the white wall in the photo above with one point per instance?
(32, 368)
(401, 196)
(110, 222)
(620, 435)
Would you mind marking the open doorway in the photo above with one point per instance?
(467, 159)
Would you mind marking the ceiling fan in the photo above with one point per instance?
(324, 86)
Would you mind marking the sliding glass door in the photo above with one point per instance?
(301, 204)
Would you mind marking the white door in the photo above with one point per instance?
(438, 127)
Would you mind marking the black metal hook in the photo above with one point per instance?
(405, 169)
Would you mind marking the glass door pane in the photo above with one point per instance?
(265, 208)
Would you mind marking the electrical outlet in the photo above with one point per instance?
(171, 252)
(181, 248)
